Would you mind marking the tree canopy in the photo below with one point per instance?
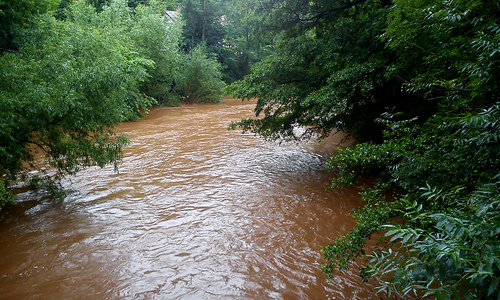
(327, 72)
(15, 16)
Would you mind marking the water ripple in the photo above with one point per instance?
(196, 212)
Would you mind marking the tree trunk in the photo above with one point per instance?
(203, 18)
(245, 67)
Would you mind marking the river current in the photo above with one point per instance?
(195, 212)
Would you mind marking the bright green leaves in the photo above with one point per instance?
(73, 80)
(445, 166)
(65, 89)
(460, 252)
(145, 33)
(367, 158)
(200, 79)
(157, 38)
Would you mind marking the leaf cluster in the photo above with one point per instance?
(457, 258)
(200, 80)
(16, 16)
(331, 76)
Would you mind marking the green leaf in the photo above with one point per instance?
(493, 286)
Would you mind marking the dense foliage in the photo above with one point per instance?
(328, 73)
(416, 83)
(157, 38)
(16, 16)
(203, 25)
(200, 80)
(445, 175)
(68, 84)
(227, 29)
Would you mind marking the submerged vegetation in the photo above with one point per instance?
(414, 82)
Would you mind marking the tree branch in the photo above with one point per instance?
(327, 12)
(317, 15)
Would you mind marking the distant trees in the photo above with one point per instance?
(203, 25)
(227, 29)
(245, 41)
(200, 80)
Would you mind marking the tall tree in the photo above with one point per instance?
(203, 25)
(245, 42)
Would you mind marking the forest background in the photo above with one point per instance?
(414, 83)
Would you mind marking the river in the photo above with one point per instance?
(195, 212)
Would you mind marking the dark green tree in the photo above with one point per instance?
(203, 25)
(328, 71)
(16, 16)
(228, 29)
(245, 42)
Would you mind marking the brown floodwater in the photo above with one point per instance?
(195, 212)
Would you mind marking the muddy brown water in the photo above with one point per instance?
(195, 212)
